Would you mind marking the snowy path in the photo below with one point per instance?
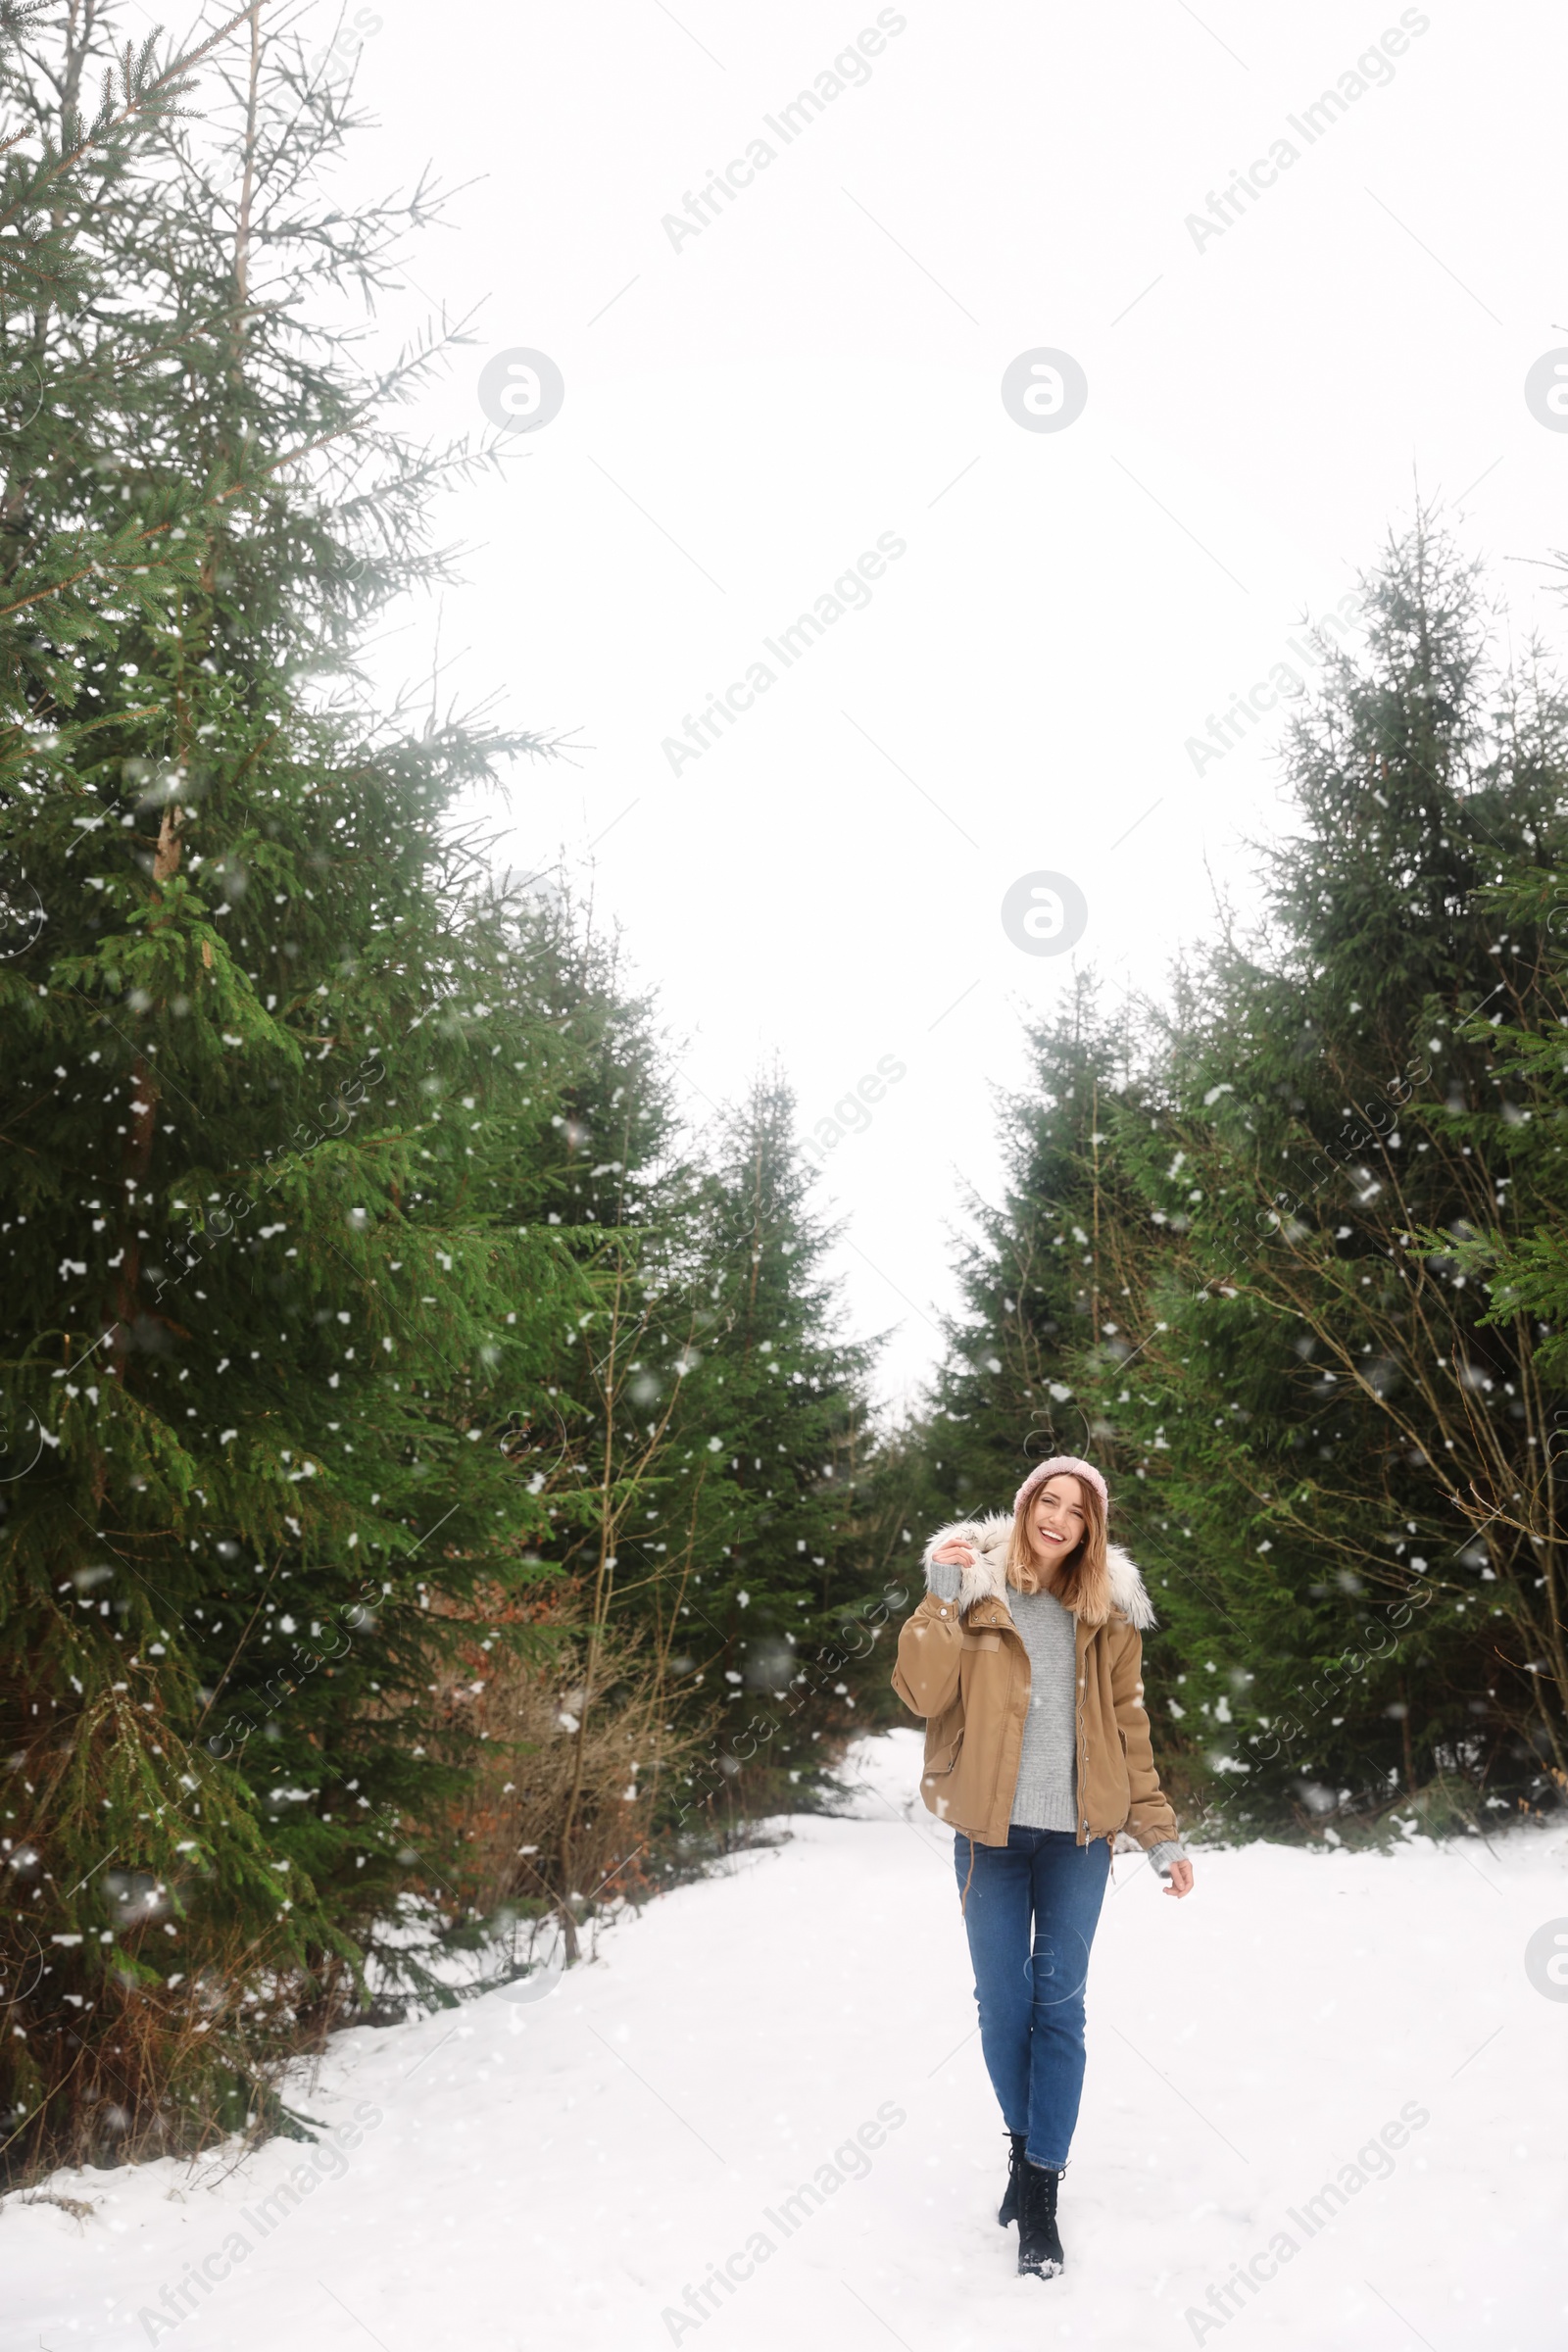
(559, 2174)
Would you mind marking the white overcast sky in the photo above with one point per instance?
(747, 412)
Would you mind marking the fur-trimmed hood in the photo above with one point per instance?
(987, 1580)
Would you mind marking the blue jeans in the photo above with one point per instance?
(1032, 1909)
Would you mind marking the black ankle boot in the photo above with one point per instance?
(1039, 2253)
(1007, 2210)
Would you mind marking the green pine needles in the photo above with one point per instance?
(403, 1440)
(1288, 1260)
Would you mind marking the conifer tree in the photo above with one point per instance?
(1320, 1354)
(721, 1471)
(775, 1395)
(1032, 1273)
(1340, 1438)
(69, 344)
(279, 1276)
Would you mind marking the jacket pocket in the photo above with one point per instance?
(980, 1641)
(943, 1762)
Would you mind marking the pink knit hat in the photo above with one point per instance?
(1057, 1464)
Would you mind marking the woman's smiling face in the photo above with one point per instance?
(1056, 1520)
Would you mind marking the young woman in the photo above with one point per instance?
(1025, 1658)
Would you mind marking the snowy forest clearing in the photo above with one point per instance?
(427, 1410)
(563, 2171)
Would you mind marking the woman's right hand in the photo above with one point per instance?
(954, 1556)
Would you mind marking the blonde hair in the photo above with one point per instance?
(1083, 1581)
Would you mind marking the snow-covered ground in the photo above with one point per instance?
(558, 2173)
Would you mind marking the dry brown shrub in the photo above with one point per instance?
(540, 1740)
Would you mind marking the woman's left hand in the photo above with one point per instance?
(1180, 1880)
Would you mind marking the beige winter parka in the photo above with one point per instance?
(962, 1665)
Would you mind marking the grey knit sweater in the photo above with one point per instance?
(1046, 1797)
(1046, 1794)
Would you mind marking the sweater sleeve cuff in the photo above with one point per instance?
(944, 1579)
(1161, 1856)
